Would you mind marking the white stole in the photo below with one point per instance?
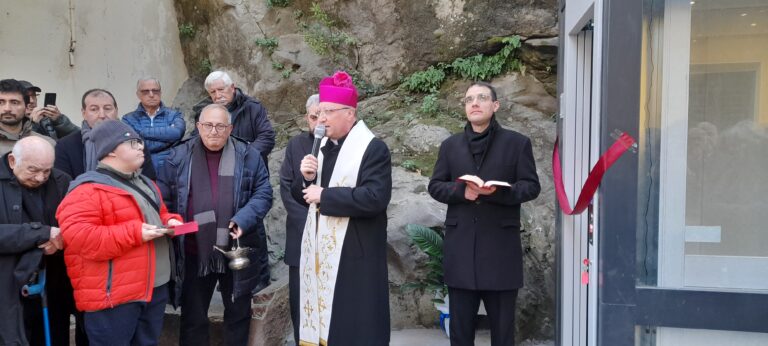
(323, 240)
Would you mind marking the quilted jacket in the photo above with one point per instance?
(159, 133)
(106, 259)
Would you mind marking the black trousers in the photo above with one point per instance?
(293, 297)
(196, 297)
(500, 306)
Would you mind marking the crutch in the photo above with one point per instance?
(35, 289)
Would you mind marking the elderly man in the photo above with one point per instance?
(222, 183)
(296, 149)
(249, 117)
(117, 252)
(75, 153)
(47, 120)
(31, 190)
(160, 126)
(482, 227)
(13, 122)
(343, 266)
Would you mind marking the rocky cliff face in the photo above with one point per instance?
(278, 50)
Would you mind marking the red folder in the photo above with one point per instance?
(189, 227)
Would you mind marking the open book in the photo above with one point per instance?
(480, 183)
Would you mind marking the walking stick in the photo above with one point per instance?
(35, 289)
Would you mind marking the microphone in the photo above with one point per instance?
(319, 134)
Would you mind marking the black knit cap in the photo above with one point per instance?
(109, 134)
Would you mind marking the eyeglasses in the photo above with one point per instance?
(208, 127)
(147, 91)
(136, 143)
(329, 111)
(480, 99)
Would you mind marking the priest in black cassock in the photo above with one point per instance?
(344, 294)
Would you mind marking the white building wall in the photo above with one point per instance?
(117, 42)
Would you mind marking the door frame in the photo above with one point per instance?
(623, 304)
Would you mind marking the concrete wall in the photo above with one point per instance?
(117, 42)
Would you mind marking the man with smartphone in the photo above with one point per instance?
(47, 120)
(13, 123)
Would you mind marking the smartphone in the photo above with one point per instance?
(50, 99)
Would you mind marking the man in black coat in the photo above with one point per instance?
(344, 294)
(482, 254)
(31, 190)
(249, 117)
(296, 217)
(74, 153)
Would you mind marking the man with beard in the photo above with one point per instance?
(14, 124)
(47, 120)
(249, 117)
(75, 153)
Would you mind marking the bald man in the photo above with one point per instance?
(31, 190)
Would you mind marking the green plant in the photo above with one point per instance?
(205, 67)
(431, 243)
(364, 87)
(429, 105)
(481, 67)
(187, 30)
(409, 165)
(324, 40)
(323, 35)
(320, 15)
(286, 73)
(278, 3)
(268, 43)
(277, 66)
(427, 81)
(476, 67)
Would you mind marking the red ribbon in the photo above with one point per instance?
(617, 149)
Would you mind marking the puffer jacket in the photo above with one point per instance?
(252, 201)
(108, 262)
(159, 133)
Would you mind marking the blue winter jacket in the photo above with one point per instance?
(252, 199)
(159, 133)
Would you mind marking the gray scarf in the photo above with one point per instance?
(89, 158)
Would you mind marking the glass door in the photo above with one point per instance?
(705, 111)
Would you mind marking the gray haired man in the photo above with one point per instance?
(249, 117)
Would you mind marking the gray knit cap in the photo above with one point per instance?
(109, 134)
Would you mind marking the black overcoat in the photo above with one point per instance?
(70, 157)
(481, 249)
(297, 148)
(361, 299)
(19, 255)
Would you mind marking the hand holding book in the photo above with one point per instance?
(482, 184)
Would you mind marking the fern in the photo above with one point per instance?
(431, 242)
(427, 240)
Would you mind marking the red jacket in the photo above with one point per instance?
(106, 259)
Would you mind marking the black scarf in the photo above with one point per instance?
(212, 216)
(478, 142)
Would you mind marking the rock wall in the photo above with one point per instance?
(278, 55)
